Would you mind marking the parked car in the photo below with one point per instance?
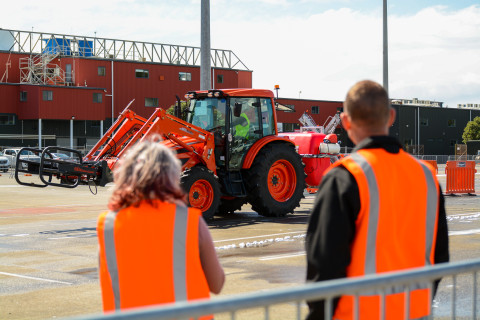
(11, 154)
(4, 162)
(61, 156)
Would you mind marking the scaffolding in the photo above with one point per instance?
(39, 69)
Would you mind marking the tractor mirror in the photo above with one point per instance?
(237, 109)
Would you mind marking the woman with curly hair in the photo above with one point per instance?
(153, 249)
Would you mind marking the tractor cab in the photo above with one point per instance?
(237, 122)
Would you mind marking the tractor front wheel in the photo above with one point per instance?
(203, 190)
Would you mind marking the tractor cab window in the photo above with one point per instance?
(208, 113)
(268, 125)
(245, 128)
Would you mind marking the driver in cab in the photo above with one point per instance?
(242, 122)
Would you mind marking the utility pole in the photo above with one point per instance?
(205, 74)
(385, 46)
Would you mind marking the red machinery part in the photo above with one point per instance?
(308, 146)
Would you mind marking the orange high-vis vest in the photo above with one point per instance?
(150, 255)
(396, 229)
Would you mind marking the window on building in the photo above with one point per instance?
(184, 76)
(95, 123)
(219, 78)
(424, 122)
(97, 97)
(47, 95)
(290, 127)
(141, 73)
(68, 72)
(315, 110)
(23, 95)
(101, 71)
(452, 123)
(7, 119)
(151, 102)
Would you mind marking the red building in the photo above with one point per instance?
(64, 90)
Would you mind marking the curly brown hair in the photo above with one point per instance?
(149, 171)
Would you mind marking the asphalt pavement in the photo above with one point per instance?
(48, 250)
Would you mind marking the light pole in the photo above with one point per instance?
(277, 87)
(385, 46)
(205, 76)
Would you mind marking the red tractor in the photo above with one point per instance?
(228, 144)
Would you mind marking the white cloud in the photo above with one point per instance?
(434, 53)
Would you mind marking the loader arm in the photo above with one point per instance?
(198, 144)
(117, 137)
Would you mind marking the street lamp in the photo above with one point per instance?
(385, 47)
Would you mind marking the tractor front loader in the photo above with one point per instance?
(228, 145)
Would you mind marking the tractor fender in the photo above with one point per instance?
(257, 146)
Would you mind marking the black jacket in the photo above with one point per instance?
(331, 228)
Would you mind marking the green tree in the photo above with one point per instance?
(472, 130)
(183, 106)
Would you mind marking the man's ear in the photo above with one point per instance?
(346, 123)
(393, 115)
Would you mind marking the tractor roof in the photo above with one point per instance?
(240, 92)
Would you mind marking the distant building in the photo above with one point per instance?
(50, 83)
(418, 102)
(468, 106)
(62, 90)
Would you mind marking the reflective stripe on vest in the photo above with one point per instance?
(179, 254)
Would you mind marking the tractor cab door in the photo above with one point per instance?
(210, 114)
(245, 128)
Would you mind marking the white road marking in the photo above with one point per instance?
(260, 236)
(283, 256)
(33, 278)
(463, 232)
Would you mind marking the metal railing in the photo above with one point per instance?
(327, 290)
(83, 46)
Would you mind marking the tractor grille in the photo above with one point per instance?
(3, 161)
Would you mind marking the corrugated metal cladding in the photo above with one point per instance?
(89, 76)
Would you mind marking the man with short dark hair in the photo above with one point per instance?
(376, 211)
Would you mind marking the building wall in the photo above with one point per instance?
(438, 129)
(325, 110)
(162, 83)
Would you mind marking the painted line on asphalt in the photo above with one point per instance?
(283, 256)
(463, 232)
(33, 278)
(260, 236)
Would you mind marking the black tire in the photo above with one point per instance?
(229, 206)
(279, 194)
(203, 190)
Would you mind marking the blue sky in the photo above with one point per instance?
(313, 49)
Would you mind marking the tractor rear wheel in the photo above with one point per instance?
(203, 190)
(276, 180)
